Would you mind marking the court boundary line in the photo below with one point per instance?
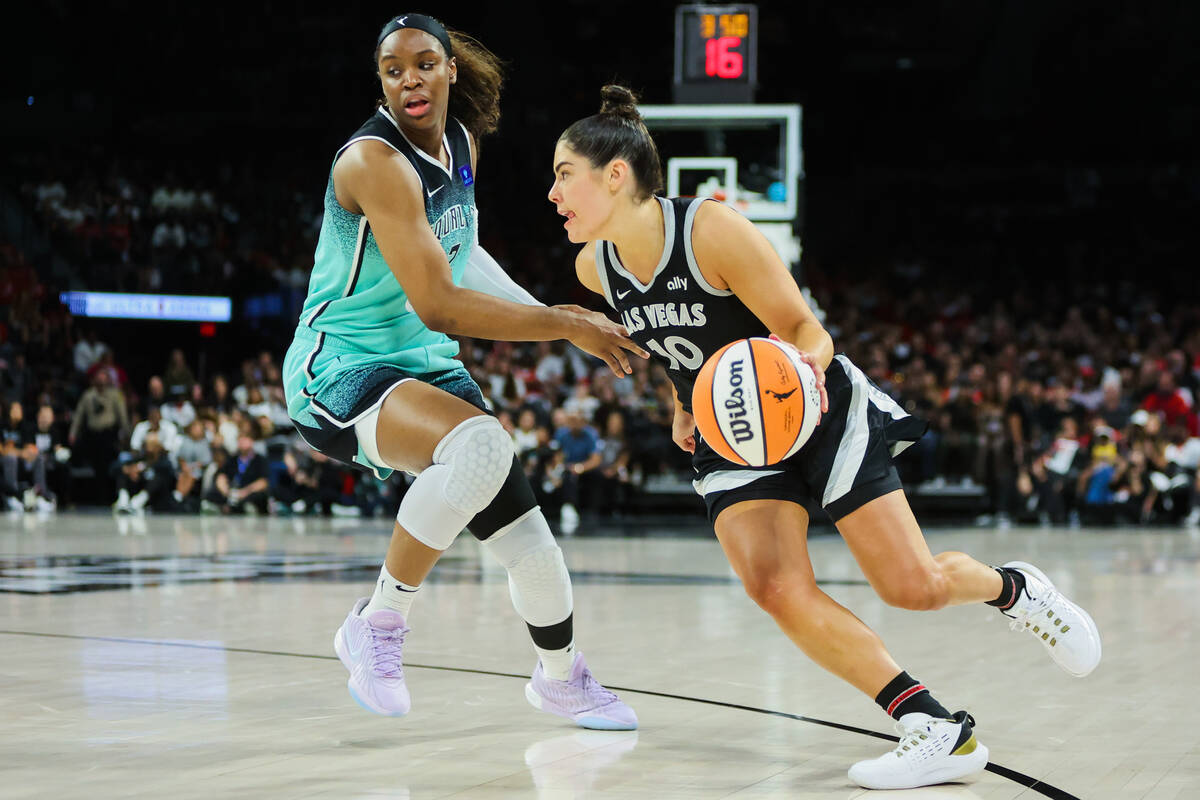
(1027, 781)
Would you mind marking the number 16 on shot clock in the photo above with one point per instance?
(716, 53)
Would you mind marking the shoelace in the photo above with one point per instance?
(385, 651)
(594, 688)
(1042, 612)
(910, 739)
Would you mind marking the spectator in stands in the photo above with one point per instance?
(1176, 480)
(179, 410)
(1056, 406)
(156, 395)
(146, 480)
(1057, 470)
(525, 435)
(17, 380)
(167, 432)
(1172, 403)
(547, 471)
(580, 447)
(250, 379)
(1096, 485)
(51, 443)
(1147, 436)
(98, 426)
(107, 363)
(19, 457)
(612, 486)
(995, 465)
(1130, 486)
(193, 456)
(581, 402)
(1115, 407)
(297, 489)
(220, 400)
(88, 351)
(241, 485)
(178, 373)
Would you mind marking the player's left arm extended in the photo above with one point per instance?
(733, 254)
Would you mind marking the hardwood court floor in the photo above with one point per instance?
(167, 657)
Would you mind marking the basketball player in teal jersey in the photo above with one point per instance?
(372, 381)
(689, 276)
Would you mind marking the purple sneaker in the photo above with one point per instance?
(580, 698)
(370, 649)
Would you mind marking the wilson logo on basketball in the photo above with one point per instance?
(735, 404)
(747, 406)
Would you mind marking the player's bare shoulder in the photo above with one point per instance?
(585, 268)
(369, 166)
(716, 228)
(719, 235)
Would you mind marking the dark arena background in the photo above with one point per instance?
(992, 206)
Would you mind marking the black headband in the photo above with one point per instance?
(421, 23)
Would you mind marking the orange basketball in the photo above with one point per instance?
(755, 402)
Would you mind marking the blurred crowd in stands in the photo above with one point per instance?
(1064, 406)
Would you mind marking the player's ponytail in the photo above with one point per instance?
(475, 97)
(618, 132)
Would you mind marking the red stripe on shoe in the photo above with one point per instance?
(900, 698)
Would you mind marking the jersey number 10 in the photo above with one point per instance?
(681, 353)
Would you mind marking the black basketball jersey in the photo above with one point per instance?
(678, 316)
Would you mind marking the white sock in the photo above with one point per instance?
(391, 594)
(557, 663)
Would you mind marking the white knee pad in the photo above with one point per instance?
(537, 574)
(470, 465)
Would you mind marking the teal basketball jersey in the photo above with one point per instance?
(355, 305)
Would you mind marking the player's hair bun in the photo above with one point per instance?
(620, 101)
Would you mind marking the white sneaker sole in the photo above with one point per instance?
(956, 769)
(1092, 630)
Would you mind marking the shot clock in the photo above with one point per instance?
(716, 53)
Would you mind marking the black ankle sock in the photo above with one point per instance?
(903, 695)
(1014, 582)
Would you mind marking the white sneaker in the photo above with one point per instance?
(122, 505)
(46, 505)
(1064, 629)
(14, 504)
(931, 750)
(568, 519)
(340, 510)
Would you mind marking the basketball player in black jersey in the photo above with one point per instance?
(372, 381)
(687, 276)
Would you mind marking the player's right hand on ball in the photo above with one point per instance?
(683, 430)
(603, 338)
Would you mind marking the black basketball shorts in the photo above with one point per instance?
(846, 464)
